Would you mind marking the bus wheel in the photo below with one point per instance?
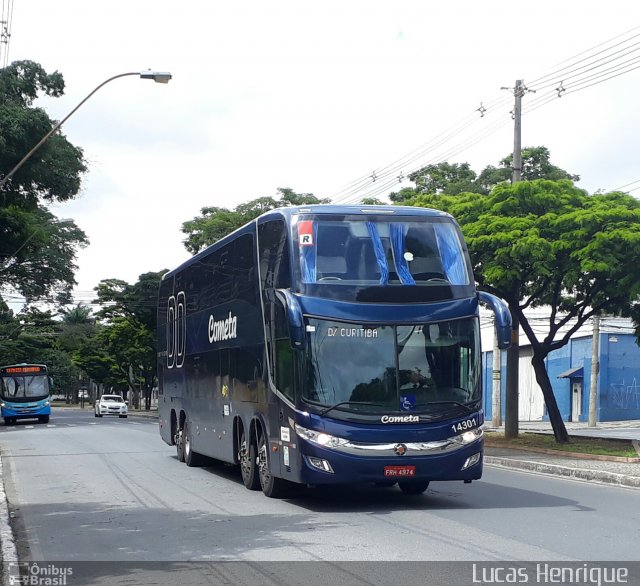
(271, 486)
(180, 444)
(191, 458)
(8, 421)
(248, 467)
(43, 419)
(413, 487)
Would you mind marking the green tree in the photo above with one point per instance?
(128, 336)
(217, 222)
(32, 336)
(549, 244)
(36, 251)
(53, 172)
(536, 164)
(446, 178)
(93, 358)
(452, 179)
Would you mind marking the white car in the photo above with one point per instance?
(111, 405)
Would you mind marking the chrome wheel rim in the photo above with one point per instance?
(263, 467)
(245, 463)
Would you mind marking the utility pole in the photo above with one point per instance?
(595, 369)
(513, 353)
(518, 92)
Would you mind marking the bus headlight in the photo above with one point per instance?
(468, 437)
(319, 437)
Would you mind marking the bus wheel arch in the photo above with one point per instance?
(272, 486)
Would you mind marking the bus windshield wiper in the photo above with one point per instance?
(327, 409)
(454, 403)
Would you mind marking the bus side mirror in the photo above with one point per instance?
(503, 318)
(294, 316)
(51, 385)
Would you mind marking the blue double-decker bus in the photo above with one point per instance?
(24, 393)
(328, 345)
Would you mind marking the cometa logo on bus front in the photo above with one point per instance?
(400, 419)
(224, 329)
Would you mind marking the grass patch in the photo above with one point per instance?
(582, 445)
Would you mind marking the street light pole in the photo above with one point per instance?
(158, 77)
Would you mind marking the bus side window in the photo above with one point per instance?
(274, 255)
(283, 357)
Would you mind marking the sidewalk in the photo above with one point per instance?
(593, 470)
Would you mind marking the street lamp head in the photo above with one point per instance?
(157, 76)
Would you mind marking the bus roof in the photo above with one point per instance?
(317, 209)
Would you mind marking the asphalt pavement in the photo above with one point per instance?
(590, 469)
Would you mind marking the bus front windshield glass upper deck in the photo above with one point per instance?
(380, 251)
(410, 368)
(20, 387)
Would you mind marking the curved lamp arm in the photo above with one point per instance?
(159, 77)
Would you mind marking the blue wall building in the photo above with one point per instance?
(569, 368)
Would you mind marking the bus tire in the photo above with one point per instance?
(180, 444)
(271, 486)
(191, 458)
(413, 486)
(247, 455)
(43, 419)
(7, 421)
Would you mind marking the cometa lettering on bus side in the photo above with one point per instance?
(224, 329)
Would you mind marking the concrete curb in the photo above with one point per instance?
(8, 549)
(575, 473)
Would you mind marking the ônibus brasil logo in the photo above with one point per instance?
(224, 329)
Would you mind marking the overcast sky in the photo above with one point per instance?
(316, 97)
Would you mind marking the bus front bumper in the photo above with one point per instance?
(25, 411)
(320, 465)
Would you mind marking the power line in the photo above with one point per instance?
(6, 18)
(588, 68)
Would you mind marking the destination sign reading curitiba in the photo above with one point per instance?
(224, 329)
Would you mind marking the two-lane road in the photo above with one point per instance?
(82, 488)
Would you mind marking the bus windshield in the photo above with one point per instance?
(380, 251)
(410, 368)
(24, 387)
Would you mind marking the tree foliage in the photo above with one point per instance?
(548, 243)
(37, 252)
(53, 172)
(125, 351)
(217, 222)
(33, 337)
(455, 178)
